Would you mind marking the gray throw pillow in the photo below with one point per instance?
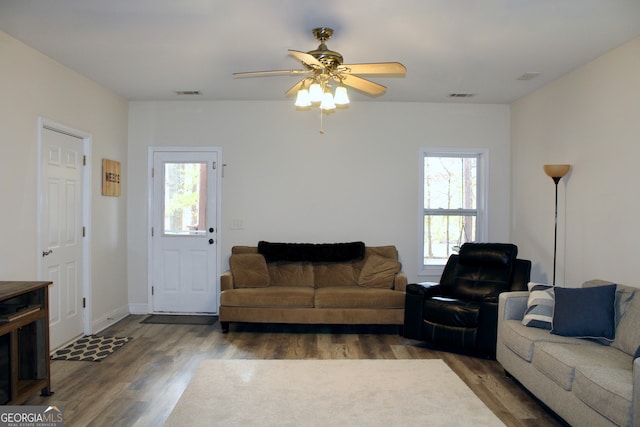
(539, 313)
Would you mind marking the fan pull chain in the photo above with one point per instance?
(321, 127)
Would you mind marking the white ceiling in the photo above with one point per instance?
(148, 49)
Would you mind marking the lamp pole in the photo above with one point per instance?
(556, 172)
(556, 180)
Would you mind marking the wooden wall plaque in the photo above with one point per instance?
(110, 178)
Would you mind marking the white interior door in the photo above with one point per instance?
(61, 234)
(184, 264)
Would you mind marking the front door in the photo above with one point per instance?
(184, 264)
(61, 235)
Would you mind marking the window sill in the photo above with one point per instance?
(431, 271)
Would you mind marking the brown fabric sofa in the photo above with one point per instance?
(337, 283)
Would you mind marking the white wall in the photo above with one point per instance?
(590, 118)
(33, 85)
(286, 182)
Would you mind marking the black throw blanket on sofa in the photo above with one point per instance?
(312, 252)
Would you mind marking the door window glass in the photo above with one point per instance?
(185, 199)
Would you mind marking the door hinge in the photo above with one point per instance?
(152, 290)
(84, 160)
(84, 303)
(214, 164)
(151, 231)
(84, 231)
(153, 171)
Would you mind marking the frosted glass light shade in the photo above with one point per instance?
(327, 101)
(556, 171)
(302, 100)
(341, 97)
(315, 93)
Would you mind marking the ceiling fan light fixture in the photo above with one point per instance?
(302, 99)
(323, 68)
(315, 93)
(341, 97)
(327, 101)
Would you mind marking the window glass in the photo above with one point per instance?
(185, 198)
(451, 194)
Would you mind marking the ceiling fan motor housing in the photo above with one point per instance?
(329, 58)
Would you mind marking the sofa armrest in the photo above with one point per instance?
(400, 282)
(414, 298)
(635, 397)
(424, 290)
(226, 281)
(512, 305)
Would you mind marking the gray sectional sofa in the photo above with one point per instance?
(588, 382)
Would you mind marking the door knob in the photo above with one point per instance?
(211, 230)
(211, 241)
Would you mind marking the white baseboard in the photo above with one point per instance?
(110, 319)
(139, 308)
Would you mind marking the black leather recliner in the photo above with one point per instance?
(461, 311)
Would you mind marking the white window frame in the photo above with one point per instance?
(482, 189)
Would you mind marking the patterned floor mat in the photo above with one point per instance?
(90, 348)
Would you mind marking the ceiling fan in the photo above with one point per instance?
(322, 66)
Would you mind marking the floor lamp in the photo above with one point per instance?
(556, 172)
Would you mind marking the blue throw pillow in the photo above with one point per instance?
(585, 312)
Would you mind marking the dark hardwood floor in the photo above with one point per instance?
(140, 384)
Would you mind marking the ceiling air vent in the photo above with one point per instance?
(530, 75)
(188, 92)
(461, 95)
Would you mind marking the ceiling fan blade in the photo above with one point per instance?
(270, 72)
(296, 87)
(306, 58)
(374, 68)
(364, 85)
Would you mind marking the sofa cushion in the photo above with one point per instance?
(291, 274)
(559, 361)
(539, 313)
(624, 295)
(387, 251)
(628, 332)
(522, 340)
(244, 250)
(488, 254)
(358, 297)
(472, 280)
(334, 274)
(273, 296)
(585, 312)
(378, 272)
(249, 270)
(451, 312)
(607, 390)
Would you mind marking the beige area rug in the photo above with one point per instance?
(328, 393)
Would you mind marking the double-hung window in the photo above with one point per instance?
(453, 203)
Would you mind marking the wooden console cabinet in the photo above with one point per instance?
(25, 365)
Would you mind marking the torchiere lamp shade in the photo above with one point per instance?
(556, 171)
